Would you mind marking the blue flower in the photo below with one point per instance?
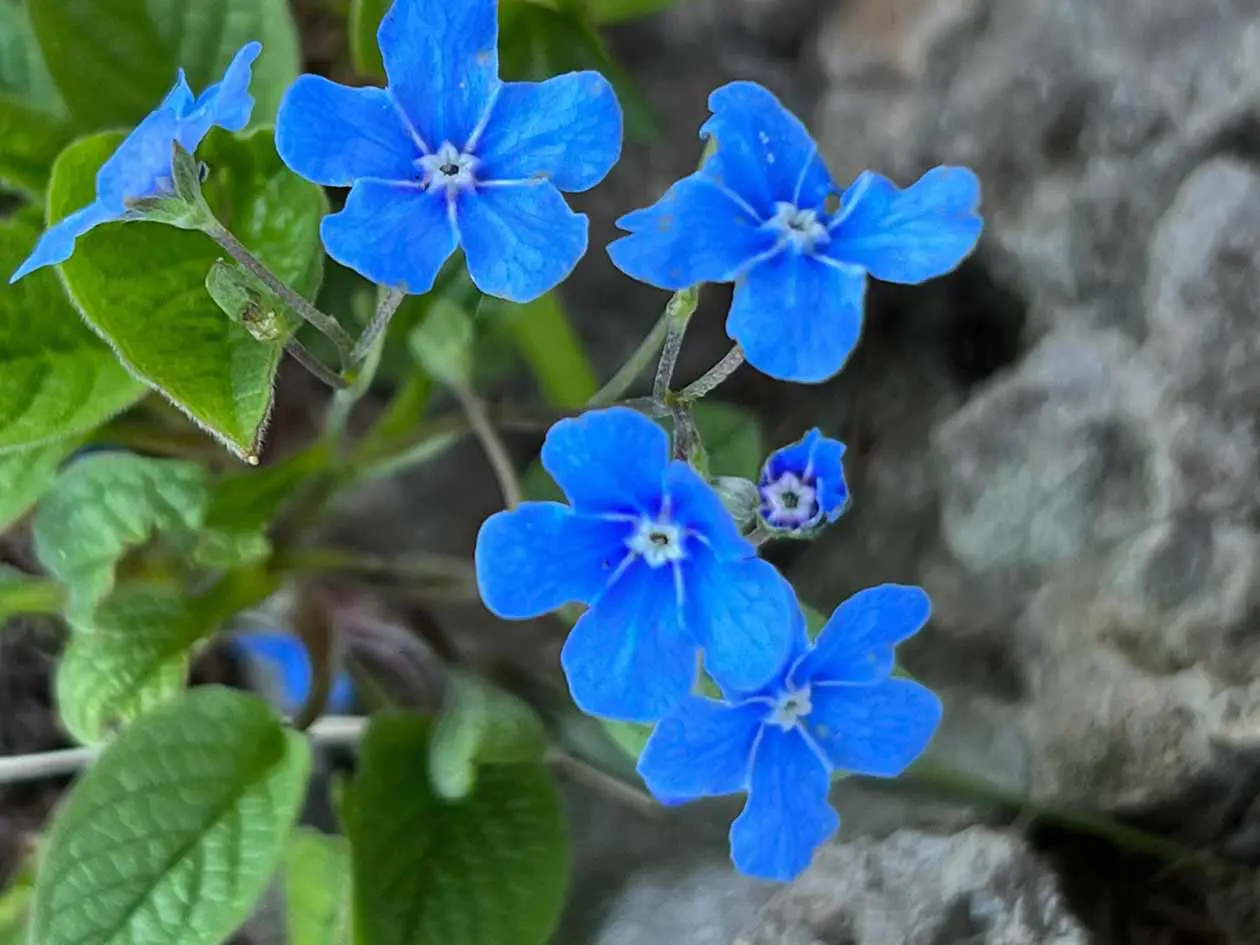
(449, 155)
(802, 485)
(757, 214)
(834, 707)
(141, 167)
(647, 545)
(282, 662)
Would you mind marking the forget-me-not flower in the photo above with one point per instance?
(802, 485)
(282, 662)
(141, 167)
(646, 544)
(833, 707)
(758, 214)
(450, 155)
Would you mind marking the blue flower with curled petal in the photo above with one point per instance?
(281, 660)
(141, 167)
(646, 544)
(833, 707)
(757, 214)
(802, 485)
(449, 155)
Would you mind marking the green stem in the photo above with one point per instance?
(36, 596)
(492, 443)
(324, 323)
(678, 312)
(416, 566)
(960, 784)
(712, 377)
(389, 302)
(299, 353)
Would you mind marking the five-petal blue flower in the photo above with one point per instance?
(141, 167)
(647, 545)
(449, 155)
(757, 214)
(802, 485)
(833, 707)
(283, 663)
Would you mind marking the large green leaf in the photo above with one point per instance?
(114, 60)
(488, 870)
(135, 657)
(57, 379)
(23, 74)
(25, 475)
(316, 889)
(142, 285)
(173, 834)
(105, 504)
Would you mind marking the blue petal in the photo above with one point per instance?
(520, 240)
(141, 163)
(698, 232)
(332, 134)
(873, 730)
(787, 816)
(283, 658)
(764, 153)
(610, 460)
(704, 749)
(741, 612)
(180, 98)
(910, 235)
(798, 318)
(442, 60)
(567, 130)
(856, 645)
(226, 104)
(630, 657)
(392, 234)
(541, 556)
(695, 506)
(57, 243)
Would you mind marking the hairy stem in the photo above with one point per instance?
(713, 377)
(492, 443)
(678, 312)
(629, 372)
(298, 352)
(389, 302)
(324, 323)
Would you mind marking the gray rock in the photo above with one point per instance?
(979, 886)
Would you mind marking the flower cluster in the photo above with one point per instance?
(449, 156)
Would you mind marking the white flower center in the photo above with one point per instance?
(658, 543)
(789, 501)
(803, 227)
(791, 706)
(448, 169)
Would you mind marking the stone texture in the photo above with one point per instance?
(978, 886)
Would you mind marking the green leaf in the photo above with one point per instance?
(488, 870)
(546, 339)
(115, 60)
(23, 74)
(57, 379)
(443, 343)
(480, 724)
(25, 475)
(30, 141)
(142, 285)
(105, 504)
(134, 658)
(173, 834)
(317, 888)
(732, 437)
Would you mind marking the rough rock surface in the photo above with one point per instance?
(978, 886)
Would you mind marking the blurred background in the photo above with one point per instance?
(1060, 442)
